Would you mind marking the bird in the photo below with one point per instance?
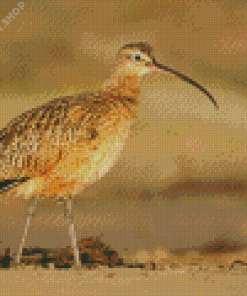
(56, 150)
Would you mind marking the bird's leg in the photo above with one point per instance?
(30, 215)
(69, 216)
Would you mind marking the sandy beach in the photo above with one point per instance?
(119, 281)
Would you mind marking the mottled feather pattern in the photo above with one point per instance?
(33, 143)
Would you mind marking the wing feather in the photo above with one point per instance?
(33, 143)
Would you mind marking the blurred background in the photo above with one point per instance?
(181, 179)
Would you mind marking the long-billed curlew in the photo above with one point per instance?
(54, 151)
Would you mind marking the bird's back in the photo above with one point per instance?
(40, 140)
(31, 142)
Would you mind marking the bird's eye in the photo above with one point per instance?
(137, 57)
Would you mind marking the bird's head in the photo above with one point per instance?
(136, 59)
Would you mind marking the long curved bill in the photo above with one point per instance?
(159, 67)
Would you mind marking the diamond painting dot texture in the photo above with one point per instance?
(123, 148)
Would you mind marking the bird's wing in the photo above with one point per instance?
(32, 144)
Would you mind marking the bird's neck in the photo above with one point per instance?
(124, 87)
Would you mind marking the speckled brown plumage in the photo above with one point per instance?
(35, 141)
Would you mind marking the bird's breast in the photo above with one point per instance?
(101, 157)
